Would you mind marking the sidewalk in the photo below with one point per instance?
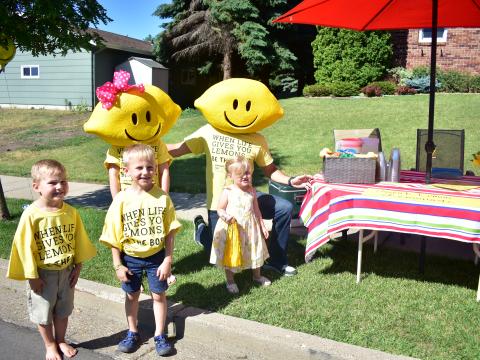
(98, 322)
(187, 206)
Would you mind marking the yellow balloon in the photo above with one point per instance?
(134, 118)
(239, 106)
(7, 54)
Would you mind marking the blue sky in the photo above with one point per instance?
(132, 18)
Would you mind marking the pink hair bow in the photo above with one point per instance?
(107, 93)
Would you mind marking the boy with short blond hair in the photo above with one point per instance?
(139, 228)
(48, 249)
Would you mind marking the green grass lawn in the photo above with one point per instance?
(295, 140)
(393, 309)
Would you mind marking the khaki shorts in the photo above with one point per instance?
(56, 298)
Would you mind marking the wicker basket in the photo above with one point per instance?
(349, 170)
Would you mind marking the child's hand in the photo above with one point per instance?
(265, 231)
(227, 218)
(164, 270)
(36, 285)
(74, 275)
(122, 273)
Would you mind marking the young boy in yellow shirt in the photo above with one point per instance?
(48, 249)
(139, 228)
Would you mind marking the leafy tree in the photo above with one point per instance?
(47, 27)
(236, 35)
(50, 26)
(347, 55)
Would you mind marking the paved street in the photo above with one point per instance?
(24, 343)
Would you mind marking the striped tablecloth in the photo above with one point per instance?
(410, 206)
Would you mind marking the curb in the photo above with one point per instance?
(229, 337)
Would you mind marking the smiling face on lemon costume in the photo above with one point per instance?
(239, 106)
(135, 117)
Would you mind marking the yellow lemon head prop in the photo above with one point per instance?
(239, 106)
(134, 117)
(6, 54)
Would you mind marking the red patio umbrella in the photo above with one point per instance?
(392, 15)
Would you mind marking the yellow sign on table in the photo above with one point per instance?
(456, 187)
(422, 197)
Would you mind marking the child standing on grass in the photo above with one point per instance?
(140, 226)
(48, 249)
(238, 203)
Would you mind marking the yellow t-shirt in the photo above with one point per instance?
(48, 240)
(220, 146)
(138, 224)
(115, 156)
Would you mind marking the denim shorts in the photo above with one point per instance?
(138, 266)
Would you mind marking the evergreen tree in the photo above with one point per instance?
(347, 55)
(236, 35)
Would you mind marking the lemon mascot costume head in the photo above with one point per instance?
(239, 106)
(131, 114)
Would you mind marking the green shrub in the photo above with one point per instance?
(454, 81)
(420, 71)
(475, 84)
(405, 90)
(317, 90)
(344, 88)
(421, 84)
(387, 87)
(355, 56)
(371, 91)
(400, 74)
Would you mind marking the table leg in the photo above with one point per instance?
(476, 250)
(423, 246)
(375, 241)
(359, 256)
(478, 291)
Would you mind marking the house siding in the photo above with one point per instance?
(64, 81)
(460, 52)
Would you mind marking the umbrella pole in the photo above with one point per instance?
(430, 145)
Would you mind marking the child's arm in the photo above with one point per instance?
(114, 179)
(75, 274)
(222, 206)
(165, 268)
(258, 214)
(36, 285)
(120, 270)
(164, 176)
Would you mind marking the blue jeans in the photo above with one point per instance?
(271, 207)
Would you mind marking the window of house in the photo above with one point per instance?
(30, 71)
(188, 77)
(425, 36)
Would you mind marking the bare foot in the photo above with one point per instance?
(171, 280)
(67, 350)
(52, 353)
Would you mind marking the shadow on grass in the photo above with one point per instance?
(99, 199)
(215, 297)
(391, 261)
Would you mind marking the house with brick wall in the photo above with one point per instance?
(457, 49)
